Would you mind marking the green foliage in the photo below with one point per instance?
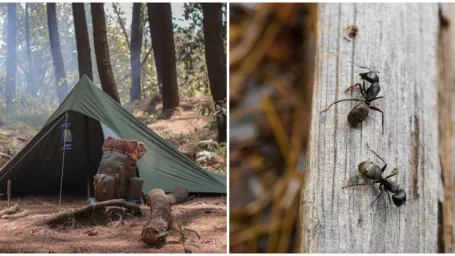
(189, 42)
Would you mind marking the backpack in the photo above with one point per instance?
(120, 168)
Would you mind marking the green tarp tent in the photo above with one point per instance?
(37, 168)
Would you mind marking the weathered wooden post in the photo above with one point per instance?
(401, 41)
(446, 115)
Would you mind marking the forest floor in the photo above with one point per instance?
(207, 215)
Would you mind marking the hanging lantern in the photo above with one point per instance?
(67, 136)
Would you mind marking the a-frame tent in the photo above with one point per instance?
(37, 168)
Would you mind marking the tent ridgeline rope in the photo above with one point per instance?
(32, 147)
(63, 164)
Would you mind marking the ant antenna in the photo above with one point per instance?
(338, 101)
(364, 67)
(368, 146)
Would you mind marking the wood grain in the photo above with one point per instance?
(401, 41)
(446, 114)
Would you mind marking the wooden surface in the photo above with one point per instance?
(446, 105)
(401, 41)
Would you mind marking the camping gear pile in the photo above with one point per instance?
(116, 176)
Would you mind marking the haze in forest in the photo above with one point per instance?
(35, 68)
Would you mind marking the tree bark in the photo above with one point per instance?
(135, 51)
(31, 88)
(446, 115)
(84, 58)
(59, 67)
(11, 57)
(178, 196)
(215, 56)
(103, 60)
(160, 218)
(161, 29)
(401, 42)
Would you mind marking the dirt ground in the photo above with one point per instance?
(206, 215)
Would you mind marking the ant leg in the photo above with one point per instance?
(385, 166)
(340, 101)
(382, 114)
(382, 191)
(391, 175)
(390, 200)
(380, 97)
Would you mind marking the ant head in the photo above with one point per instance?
(371, 76)
(370, 170)
(399, 198)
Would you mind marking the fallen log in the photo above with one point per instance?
(13, 209)
(160, 219)
(16, 216)
(178, 196)
(135, 209)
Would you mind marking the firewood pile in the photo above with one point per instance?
(271, 62)
(13, 212)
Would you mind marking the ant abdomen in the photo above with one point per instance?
(358, 114)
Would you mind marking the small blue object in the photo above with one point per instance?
(90, 200)
(67, 137)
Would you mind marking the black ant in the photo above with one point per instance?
(372, 171)
(360, 111)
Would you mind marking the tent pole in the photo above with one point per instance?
(63, 165)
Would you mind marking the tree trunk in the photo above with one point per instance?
(156, 51)
(31, 88)
(446, 115)
(103, 60)
(59, 67)
(11, 57)
(215, 56)
(401, 42)
(161, 30)
(135, 51)
(160, 218)
(84, 58)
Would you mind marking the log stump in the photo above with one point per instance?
(178, 196)
(160, 219)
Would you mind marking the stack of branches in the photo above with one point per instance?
(92, 214)
(272, 64)
(12, 213)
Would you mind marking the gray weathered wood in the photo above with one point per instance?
(446, 105)
(399, 40)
